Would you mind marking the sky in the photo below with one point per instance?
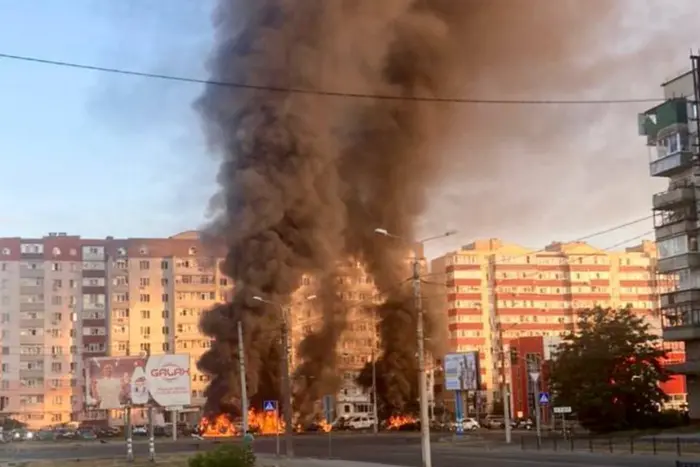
(96, 154)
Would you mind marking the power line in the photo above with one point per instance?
(322, 92)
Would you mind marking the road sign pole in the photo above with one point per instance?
(459, 414)
(538, 422)
(277, 431)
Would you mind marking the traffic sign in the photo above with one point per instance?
(329, 408)
(535, 375)
(270, 406)
(561, 410)
(544, 398)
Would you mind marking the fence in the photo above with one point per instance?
(678, 446)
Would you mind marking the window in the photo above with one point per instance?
(143, 250)
(56, 367)
(144, 264)
(121, 251)
(673, 246)
(164, 265)
(145, 314)
(144, 298)
(165, 298)
(56, 300)
(56, 266)
(56, 251)
(144, 282)
(6, 252)
(192, 251)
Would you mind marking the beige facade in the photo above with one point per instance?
(159, 289)
(497, 291)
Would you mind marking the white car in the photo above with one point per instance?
(361, 422)
(469, 424)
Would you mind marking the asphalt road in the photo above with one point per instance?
(397, 449)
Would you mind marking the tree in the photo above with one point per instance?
(608, 371)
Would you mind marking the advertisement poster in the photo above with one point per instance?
(462, 371)
(117, 382)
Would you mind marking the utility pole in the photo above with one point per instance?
(504, 386)
(286, 385)
(128, 429)
(286, 380)
(374, 372)
(151, 428)
(422, 380)
(244, 384)
(420, 334)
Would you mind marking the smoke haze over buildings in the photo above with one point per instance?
(306, 178)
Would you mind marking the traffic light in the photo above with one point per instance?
(513, 355)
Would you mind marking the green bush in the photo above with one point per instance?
(224, 456)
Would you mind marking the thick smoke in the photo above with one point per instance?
(281, 216)
(306, 178)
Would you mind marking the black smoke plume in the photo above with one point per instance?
(306, 178)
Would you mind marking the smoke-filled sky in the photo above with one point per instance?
(526, 173)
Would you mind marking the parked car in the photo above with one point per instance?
(361, 422)
(493, 423)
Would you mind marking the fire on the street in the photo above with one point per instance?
(264, 423)
(397, 421)
(219, 427)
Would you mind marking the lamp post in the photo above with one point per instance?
(420, 334)
(286, 380)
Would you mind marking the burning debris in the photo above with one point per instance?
(395, 422)
(305, 178)
(223, 426)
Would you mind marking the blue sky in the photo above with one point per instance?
(96, 154)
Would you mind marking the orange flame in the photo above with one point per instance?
(265, 423)
(325, 426)
(219, 427)
(397, 421)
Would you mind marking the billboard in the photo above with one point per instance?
(462, 371)
(117, 382)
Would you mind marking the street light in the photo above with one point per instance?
(420, 334)
(286, 383)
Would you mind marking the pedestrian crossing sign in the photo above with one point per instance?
(544, 398)
(270, 406)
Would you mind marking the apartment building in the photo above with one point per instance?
(672, 129)
(360, 343)
(52, 315)
(498, 291)
(64, 298)
(158, 290)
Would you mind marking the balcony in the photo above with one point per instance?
(673, 112)
(681, 324)
(689, 260)
(680, 297)
(671, 165)
(675, 196)
(675, 228)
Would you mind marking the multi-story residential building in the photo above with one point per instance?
(159, 289)
(64, 298)
(360, 343)
(497, 292)
(672, 129)
(45, 312)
